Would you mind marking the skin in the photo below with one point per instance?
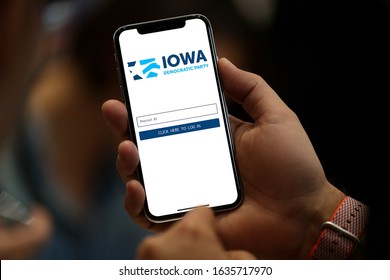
(195, 237)
(287, 196)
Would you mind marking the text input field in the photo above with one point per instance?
(177, 115)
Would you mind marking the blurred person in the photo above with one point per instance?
(20, 27)
(70, 168)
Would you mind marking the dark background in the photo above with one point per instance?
(332, 62)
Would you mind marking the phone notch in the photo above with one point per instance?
(157, 26)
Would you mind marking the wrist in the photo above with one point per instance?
(323, 206)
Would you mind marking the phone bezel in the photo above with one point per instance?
(157, 26)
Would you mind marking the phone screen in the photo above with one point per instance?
(178, 117)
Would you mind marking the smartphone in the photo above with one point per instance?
(177, 116)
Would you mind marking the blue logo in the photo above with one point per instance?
(148, 65)
(171, 64)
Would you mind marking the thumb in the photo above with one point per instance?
(250, 90)
(240, 255)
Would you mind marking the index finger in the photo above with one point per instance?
(116, 117)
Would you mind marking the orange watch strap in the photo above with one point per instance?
(341, 235)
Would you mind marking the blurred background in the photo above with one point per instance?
(328, 60)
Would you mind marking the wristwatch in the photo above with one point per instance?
(341, 235)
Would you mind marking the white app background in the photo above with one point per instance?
(183, 170)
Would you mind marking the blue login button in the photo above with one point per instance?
(178, 129)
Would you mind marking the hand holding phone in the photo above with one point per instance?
(287, 195)
(177, 116)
